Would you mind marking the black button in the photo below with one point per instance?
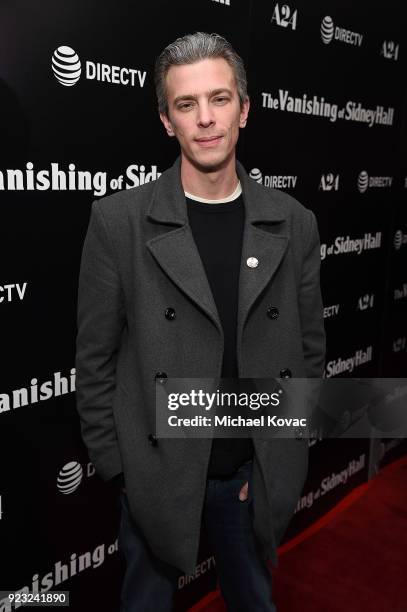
(169, 314)
(161, 377)
(285, 373)
(152, 439)
(273, 312)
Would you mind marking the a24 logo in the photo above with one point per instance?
(284, 16)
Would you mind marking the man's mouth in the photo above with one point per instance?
(207, 141)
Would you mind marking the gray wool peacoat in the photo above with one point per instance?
(139, 258)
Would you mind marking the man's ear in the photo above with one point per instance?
(167, 124)
(244, 111)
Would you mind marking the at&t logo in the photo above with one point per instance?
(284, 16)
(274, 181)
(327, 29)
(365, 181)
(67, 69)
(399, 239)
(329, 182)
(70, 476)
(256, 175)
(329, 32)
(66, 66)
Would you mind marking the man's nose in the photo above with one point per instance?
(205, 115)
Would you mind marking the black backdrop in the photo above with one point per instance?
(351, 173)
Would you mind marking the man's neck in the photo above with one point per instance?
(211, 185)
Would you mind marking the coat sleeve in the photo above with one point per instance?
(310, 304)
(101, 318)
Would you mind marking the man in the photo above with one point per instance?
(202, 273)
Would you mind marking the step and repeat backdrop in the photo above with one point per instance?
(327, 124)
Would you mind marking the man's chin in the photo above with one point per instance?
(211, 163)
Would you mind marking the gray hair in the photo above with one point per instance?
(194, 48)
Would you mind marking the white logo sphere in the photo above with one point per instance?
(363, 181)
(256, 175)
(327, 29)
(69, 478)
(66, 66)
(398, 239)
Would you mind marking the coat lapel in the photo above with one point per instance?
(266, 247)
(176, 252)
(178, 256)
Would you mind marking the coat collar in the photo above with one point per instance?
(168, 202)
(176, 253)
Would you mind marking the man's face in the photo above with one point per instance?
(204, 112)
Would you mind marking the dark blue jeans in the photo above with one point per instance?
(244, 578)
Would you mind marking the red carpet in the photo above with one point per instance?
(353, 560)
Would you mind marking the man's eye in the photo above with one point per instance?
(221, 99)
(185, 106)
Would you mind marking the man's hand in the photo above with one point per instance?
(244, 492)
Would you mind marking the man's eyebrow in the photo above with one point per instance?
(213, 92)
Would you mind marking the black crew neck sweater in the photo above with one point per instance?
(217, 229)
